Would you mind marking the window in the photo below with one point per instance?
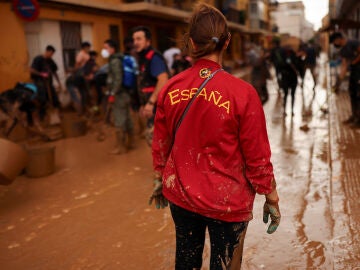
(114, 33)
(71, 41)
(253, 8)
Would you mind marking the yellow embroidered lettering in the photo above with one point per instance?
(203, 93)
(185, 94)
(225, 105)
(193, 92)
(173, 95)
(212, 96)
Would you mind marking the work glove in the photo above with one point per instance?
(160, 200)
(111, 99)
(271, 208)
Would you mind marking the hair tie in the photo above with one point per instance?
(215, 39)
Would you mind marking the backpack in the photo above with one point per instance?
(129, 67)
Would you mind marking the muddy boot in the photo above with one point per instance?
(120, 146)
(142, 127)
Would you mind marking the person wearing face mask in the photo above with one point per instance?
(118, 98)
(349, 51)
(152, 77)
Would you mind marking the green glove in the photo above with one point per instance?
(271, 208)
(160, 200)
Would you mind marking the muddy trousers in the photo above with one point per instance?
(121, 112)
(226, 239)
(354, 91)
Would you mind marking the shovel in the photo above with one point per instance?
(54, 118)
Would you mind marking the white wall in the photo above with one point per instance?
(86, 32)
(50, 35)
(290, 18)
(41, 33)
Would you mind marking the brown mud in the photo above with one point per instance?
(92, 213)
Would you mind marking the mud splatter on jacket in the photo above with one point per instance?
(221, 155)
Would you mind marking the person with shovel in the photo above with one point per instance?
(211, 153)
(43, 69)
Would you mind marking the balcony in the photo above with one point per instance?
(343, 8)
(152, 8)
(236, 16)
(264, 25)
(177, 4)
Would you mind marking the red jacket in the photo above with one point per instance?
(221, 155)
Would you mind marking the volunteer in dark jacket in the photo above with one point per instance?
(219, 158)
(152, 77)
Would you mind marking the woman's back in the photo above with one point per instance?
(220, 129)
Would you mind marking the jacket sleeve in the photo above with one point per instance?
(161, 144)
(255, 147)
(116, 75)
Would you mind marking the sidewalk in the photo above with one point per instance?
(345, 183)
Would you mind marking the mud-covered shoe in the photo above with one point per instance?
(130, 142)
(120, 144)
(348, 121)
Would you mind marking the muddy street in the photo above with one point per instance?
(93, 212)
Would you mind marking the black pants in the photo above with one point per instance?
(354, 91)
(288, 82)
(100, 83)
(225, 239)
(46, 88)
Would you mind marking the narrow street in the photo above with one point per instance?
(92, 213)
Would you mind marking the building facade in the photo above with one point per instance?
(289, 18)
(343, 16)
(66, 23)
(348, 15)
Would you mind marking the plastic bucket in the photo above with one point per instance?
(13, 158)
(41, 161)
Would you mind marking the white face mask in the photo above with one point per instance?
(105, 53)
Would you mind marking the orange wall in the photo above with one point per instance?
(13, 53)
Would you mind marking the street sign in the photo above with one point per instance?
(27, 10)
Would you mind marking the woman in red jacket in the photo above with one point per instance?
(210, 161)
